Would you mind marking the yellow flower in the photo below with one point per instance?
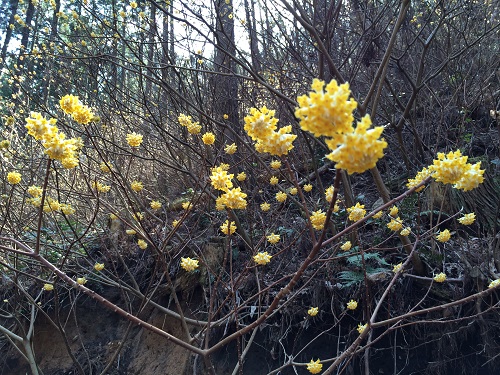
(133, 4)
(130, 232)
(155, 205)
(208, 138)
(472, 177)
(314, 367)
(394, 211)
(138, 216)
(265, 206)
(362, 327)
(142, 244)
(329, 194)
(233, 199)
(278, 143)
(231, 149)
(326, 112)
(260, 123)
(228, 227)
(449, 168)
(494, 283)
(35, 191)
(4, 144)
(440, 277)
(105, 167)
(220, 179)
(395, 224)
(193, 127)
(101, 187)
(67, 209)
(48, 287)
(359, 150)
(189, 264)
(99, 266)
(184, 120)
(443, 236)
(82, 114)
(318, 219)
(397, 267)
(262, 258)
(39, 127)
(81, 280)
(313, 311)
(136, 186)
(356, 212)
(242, 176)
(308, 188)
(273, 180)
(378, 215)
(293, 191)
(69, 103)
(467, 219)
(134, 139)
(187, 205)
(281, 197)
(405, 232)
(14, 178)
(422, 175)
(113, 217)
(275, 164)
(175, 223)
(352, 305)
(273, 238)
(346, 246)
(225, 116)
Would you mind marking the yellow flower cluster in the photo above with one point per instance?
(318, 219)
(467, 219)
(359, 150)
(329, 194)
(48, 287)
(155, 205)
(260, 125)
(14, 178)
(136, 186)
(208, 138)
(192, 127)
(273, 238)
(262, 258)
(356, 212)
(422, 175)
(395, 224)
(134, 139)
(405, 232)
(101, 188)
(440, 277)
(265, 206)
(454, 169)
(494, 283)
(275, 164)
(443, 236)
(313, 311)
(105, 167)
(346, 246)
(328, 112)
(81, 280)
(228, 227)
(35, 191)
(231, 149)
(314, 367)
(242, 176)
(220, 179)
(55, 143)
(99, 266)
(397, 267)
(233, 198)
(143, 245)
(280, 196)
(394, 211)
(362, 327)
(352, 305)
(273, 180)
(71, 105)
(308, 188)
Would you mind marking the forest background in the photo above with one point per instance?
(143, 230)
